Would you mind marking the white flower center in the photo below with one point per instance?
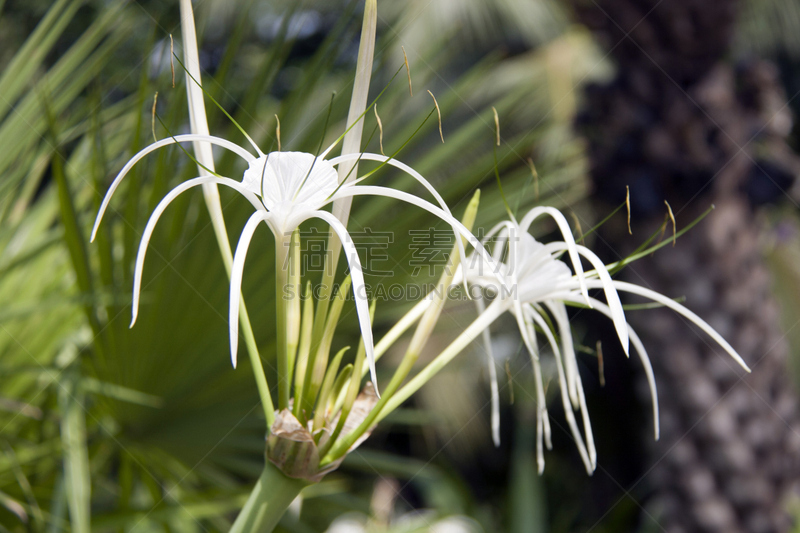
(531, 274)
(290, 182)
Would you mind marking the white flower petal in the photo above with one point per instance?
(644, 358)
(496, 229)
(542, 418)
(612, 297)
(247, 156)
(576, 434)
(548, 434)
(500, 243)
(617, 313)
(158, 211)
(292, 179)
(495, 393)
(458, 227)
(539, 437)
(559, 312)
(563, 225)
(411, 172)
(237, 272)
(587, 424)
(359, 289)
(675, 306)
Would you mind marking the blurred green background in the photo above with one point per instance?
(150, 429)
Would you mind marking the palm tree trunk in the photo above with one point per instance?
(678, 124)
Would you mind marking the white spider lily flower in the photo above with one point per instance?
(542, 284)
(286, 189)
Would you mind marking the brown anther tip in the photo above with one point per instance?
(674, 225)
(153, 117)
(380, 128)
(600, 364)
(172, 59)
(408, 71)
(535, 175)
(439, 112)
(628, 205)
(496, 126)
(278, 132)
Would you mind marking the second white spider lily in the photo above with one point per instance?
(542, 285)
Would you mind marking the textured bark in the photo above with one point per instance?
(730, 447)
(678, 124)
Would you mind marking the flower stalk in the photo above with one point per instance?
(293, 316)
(282, 304)
(418, 341)
(268, 501)
(205, 158)
(348, 400)
(351, 144)
(476, 328)
(318, 359)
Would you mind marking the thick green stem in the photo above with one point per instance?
(270, 498)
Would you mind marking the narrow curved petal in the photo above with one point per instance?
(612, 297)
(495, 393)
(458, 227)
(527, 335)
(441, 212)
(502, 238)
(359, 288)
(678, 308)
(159, 210)
(587, 424)
(247, 156)
(645, 359)
(573, 425)
(559, 312)
(366, 156)
(569, 240)
(543, 435)
(499, 246)
(237, 272)
(505, 224)
(539, 446)
(548, 434)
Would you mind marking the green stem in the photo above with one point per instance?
(268, 501)
(497, 308)
(418, 341)
(282, 310)
(318, 328)
(344, 445)
(293, 305)
(255, 362)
